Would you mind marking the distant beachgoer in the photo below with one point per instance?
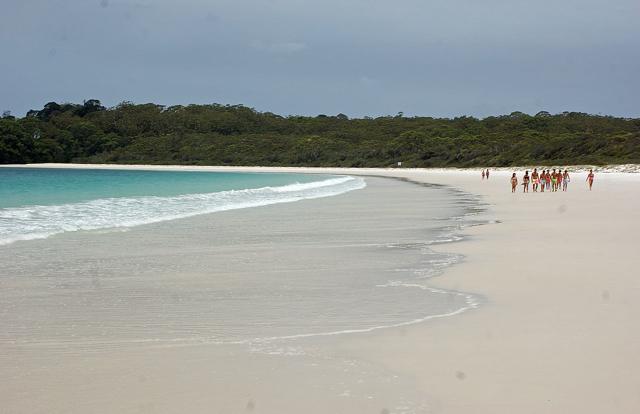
(514, 183)
(535, 177)
(548, 180)
(554, 180)
(565, 180)
(525, 182)
(483, 174)
(543, 181)
(590, 178)
(487, 173)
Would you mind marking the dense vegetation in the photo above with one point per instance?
(237, 135)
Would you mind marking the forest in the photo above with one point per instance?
(218, 134)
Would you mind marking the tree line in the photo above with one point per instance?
(238, 135)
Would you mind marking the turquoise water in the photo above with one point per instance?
(38, 203)
(40, 186)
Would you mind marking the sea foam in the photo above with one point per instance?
(42, 221)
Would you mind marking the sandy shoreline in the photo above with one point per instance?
(559, 273)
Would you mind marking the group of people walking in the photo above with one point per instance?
(550, 181)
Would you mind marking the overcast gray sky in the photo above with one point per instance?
(358, 57)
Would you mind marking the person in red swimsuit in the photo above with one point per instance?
(548, 180)
(590, 178)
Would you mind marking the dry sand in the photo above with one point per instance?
(560, 273)
(557, 333)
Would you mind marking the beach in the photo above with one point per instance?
(546, 320)
(560, 276)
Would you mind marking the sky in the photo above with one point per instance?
(442, 58)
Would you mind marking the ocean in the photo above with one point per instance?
(38, 203)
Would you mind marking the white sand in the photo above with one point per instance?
(558, 333)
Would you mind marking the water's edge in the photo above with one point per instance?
(474, 206)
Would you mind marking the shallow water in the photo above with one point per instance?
(258, 281)
(225, 278)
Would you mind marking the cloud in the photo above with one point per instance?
(358, 57)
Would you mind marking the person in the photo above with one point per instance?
(590, 178)
(514, 183)
(536, 179)
(487, 173)
(548, 179)
(525, 182)
(483, 174)
(565, 180)
(554, 180)
(543, 180)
